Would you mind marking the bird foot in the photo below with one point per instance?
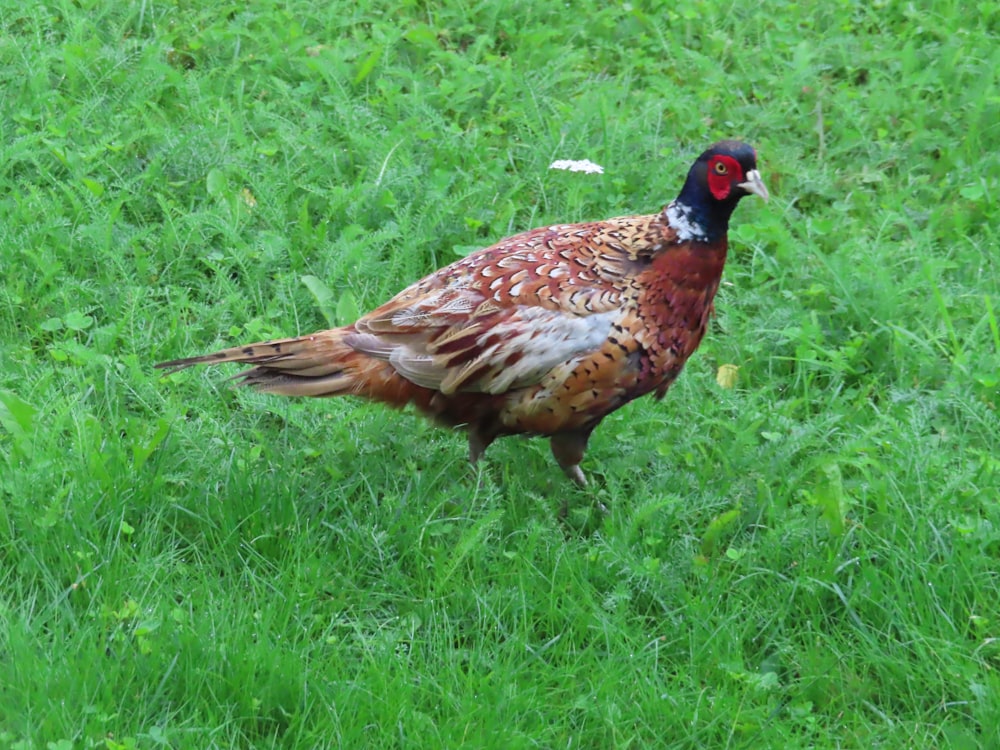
(576, 474)
(568, 449)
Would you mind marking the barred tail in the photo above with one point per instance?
(321, 364)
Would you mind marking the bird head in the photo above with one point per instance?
(719, 178)
(729, 172)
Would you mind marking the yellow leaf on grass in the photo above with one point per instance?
(726, 376)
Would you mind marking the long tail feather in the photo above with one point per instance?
(321, 364)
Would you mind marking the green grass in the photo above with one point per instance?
(809, 559)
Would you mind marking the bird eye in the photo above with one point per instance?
(720, 168)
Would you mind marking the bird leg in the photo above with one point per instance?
(479, 441)
(568, 449)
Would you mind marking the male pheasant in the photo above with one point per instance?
(543, 333)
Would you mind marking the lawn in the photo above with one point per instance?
(809, 558)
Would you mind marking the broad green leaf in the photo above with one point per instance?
(347, 309)
(830, 497)
(324, 297)
(17, 416)
(141, 451)
(78, 321)
(367, 66)
(216, 183)
(96, 189)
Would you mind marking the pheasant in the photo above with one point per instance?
(543, 333)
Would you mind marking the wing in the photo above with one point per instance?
(505, 317)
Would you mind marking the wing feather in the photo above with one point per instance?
(513, 314)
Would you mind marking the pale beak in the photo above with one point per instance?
(755, 185)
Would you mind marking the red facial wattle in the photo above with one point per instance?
(723, 173)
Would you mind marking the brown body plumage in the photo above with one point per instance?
(543, 333)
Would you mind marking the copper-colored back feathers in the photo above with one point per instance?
(543, 333)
